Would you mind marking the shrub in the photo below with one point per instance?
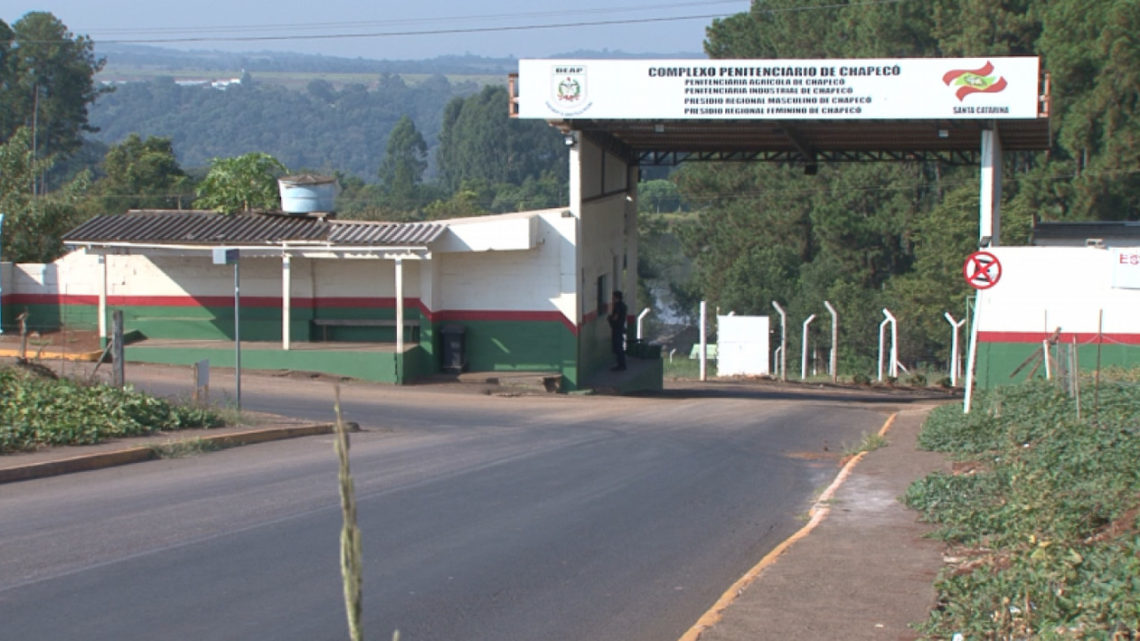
(1047, 518)
(40, 411)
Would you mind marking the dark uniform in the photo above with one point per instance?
(617, 318)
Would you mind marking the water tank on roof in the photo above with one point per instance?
(306, 194)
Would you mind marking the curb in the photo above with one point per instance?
(142, 453)
(820, 508)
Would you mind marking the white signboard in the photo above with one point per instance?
(861, 89)
(1126, 267)
(742, 345)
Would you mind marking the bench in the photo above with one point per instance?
(326, 323)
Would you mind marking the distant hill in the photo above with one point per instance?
(311, 112)
(160, 59)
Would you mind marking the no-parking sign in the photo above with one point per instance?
(982, 270)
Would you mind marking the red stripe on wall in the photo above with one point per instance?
(50, 299)
(343, 302)
(1065, 337)
(191, 301)
(459, 315)
(146, 301)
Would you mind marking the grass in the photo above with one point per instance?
(870, 442)
(682, 368)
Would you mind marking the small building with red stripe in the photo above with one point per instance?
(1080, 304)
(525, 291)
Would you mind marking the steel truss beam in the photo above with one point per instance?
(672, 158)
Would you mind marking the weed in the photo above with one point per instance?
(351, 566)
(183, 449)
(869, 442)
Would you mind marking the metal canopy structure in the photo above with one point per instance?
(671, 142)
(959, 111)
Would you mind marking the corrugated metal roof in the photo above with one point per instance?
(210, 228)
(347, 232)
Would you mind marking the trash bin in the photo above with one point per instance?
(454, 348)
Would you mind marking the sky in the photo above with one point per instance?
(397, 30)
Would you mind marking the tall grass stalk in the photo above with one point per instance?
(351, 569)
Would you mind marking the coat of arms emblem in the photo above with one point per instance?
(569, 85)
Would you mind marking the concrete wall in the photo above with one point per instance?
(607, 250)
(1075, 290)
(53, 295)
(172, 296)
(508, 281)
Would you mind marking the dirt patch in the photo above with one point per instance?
(1126, 524)
(64, 340)
(967, 468)
(815, 456)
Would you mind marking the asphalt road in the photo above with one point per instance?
(554, 518)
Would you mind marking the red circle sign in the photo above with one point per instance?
(982, 270)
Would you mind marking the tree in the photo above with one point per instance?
(46, 82)
(322, 90)
(405, 160)
(142, 174)
(462, 204)
(479, 141)
(658, 196)
(33, 224)
(985, 27)
(243, 183)
(548, 190)
(1094, 57)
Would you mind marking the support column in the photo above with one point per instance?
(631, 249)
(103, 296)
(989, 227)
(286, 300)
(400, 311)
(574, 163)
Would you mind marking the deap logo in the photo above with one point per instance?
(569, 84)
(971, 81)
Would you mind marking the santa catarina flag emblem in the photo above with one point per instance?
(970, 81)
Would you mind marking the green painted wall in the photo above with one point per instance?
(378, 366)
(210, 323)
(505, 345)
(217, 323)
(491, 345)
(997, 361)
(50, 317)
